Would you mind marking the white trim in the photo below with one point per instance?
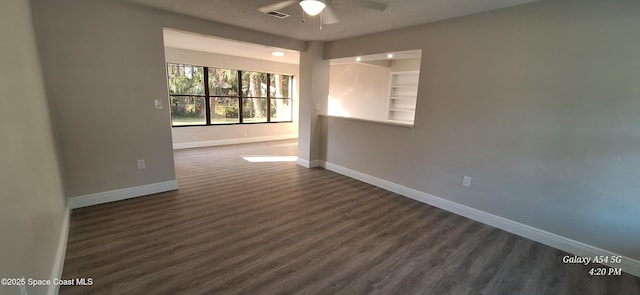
(195, 144)
(628, 265)
(302, 162)
(122, 194)
(58, 262)
(309, 164)
(383, 122)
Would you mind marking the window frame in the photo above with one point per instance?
(240, 96)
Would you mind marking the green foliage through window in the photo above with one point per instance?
(228, 96)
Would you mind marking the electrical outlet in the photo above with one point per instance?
(141, 164)
(466, 181)
(318, 107)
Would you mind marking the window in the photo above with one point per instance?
(224, 100)
(187, 93)
(254, 94)
(280, 94)
(228, 97)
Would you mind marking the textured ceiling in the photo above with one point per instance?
(354, 20)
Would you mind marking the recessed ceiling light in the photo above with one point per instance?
(277, 53)
(390, 55)
(358, 58)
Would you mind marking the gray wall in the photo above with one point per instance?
(537, 103)
(314, 90)
(32, 203)
(103, 63)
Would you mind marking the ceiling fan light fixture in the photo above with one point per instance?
(312, 7)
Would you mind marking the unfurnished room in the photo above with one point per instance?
(319, 147)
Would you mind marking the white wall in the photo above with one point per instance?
(359, 90)
(32, 204)
(214, 135)
(537, 103)
(104, 65)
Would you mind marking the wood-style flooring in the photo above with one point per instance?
(240, 227)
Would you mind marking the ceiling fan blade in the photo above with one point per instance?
(328, 16)
(370, 4)
(277, 6)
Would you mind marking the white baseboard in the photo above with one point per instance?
(195, 144)
(309, 164)
(58, 263)
(628, 264)
(122, 194)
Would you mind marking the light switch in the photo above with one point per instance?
(158, 104)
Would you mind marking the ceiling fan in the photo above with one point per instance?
(315, 7)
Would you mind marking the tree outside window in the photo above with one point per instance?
(228, 97)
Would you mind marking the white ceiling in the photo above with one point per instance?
(354, 20)
(192, 41)
(408, 54)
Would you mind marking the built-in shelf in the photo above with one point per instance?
(403, 95)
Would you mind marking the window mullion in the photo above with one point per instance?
(207, 101)
(268, 98)
(240, 102)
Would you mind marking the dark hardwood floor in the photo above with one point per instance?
(239, 227)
